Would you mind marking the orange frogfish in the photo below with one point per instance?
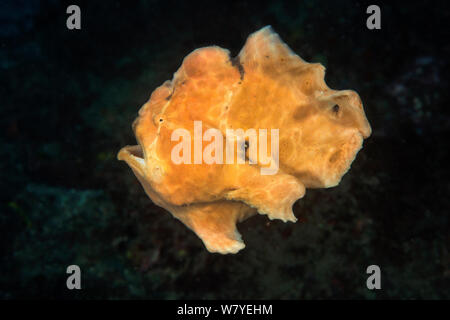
(228, 138)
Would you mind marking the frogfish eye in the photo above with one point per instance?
(335, 108)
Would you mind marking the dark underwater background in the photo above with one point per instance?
(67, 101)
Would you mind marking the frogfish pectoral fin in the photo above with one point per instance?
(215, 223)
